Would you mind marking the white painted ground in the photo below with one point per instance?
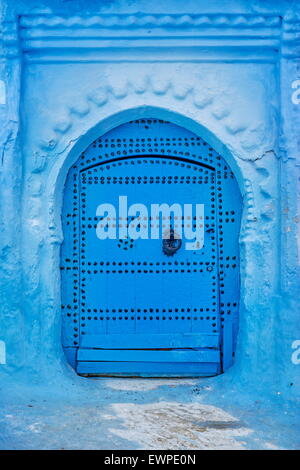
(173, 425)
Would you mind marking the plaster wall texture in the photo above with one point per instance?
(59, 93)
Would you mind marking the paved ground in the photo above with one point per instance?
(143, 414)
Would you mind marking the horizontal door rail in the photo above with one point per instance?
(150, 341)
(140, 355)
(149, 369)
(131, 157)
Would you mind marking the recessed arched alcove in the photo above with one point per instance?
(128, 306)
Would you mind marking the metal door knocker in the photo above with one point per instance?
(172, 243)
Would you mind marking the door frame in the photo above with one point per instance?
(226, 334)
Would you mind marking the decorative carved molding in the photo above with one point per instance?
(101, 96)
(199, 97)
(291, 36)
(9, 40)
(154, 21)
(150, 37)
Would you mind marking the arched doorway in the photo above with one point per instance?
(150, 305)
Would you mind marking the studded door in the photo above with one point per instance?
(150, 307)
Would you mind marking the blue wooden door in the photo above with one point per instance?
(144, 306)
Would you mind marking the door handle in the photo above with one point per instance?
(171, 245)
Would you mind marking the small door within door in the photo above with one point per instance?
(146, 304)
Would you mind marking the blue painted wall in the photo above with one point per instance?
(239, 94)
